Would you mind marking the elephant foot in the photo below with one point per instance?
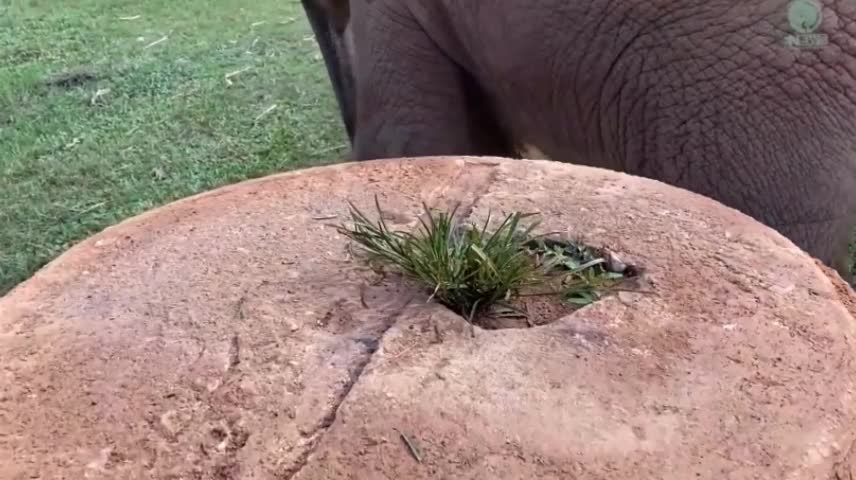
(531, 152)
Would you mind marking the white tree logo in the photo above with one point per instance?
(805, 18)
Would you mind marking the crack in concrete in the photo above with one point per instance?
(354, 374)
(481, 189)
(842, 470)
(471, 181)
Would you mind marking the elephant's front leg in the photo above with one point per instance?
(412, 99)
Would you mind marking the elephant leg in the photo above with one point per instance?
(335, 60)
(412, 99)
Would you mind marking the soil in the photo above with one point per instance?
(520, 312)
(229, 336)
(528, 312)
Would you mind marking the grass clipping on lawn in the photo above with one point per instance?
(472, 270)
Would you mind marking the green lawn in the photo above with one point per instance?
(111, 107)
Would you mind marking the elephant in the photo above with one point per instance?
(329, 20)
(749, 102)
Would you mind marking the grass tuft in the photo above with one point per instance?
(470, 270)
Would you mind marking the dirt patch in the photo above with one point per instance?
(69, 80)
(529, 312)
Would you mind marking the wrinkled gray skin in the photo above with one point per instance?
(699, 94)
